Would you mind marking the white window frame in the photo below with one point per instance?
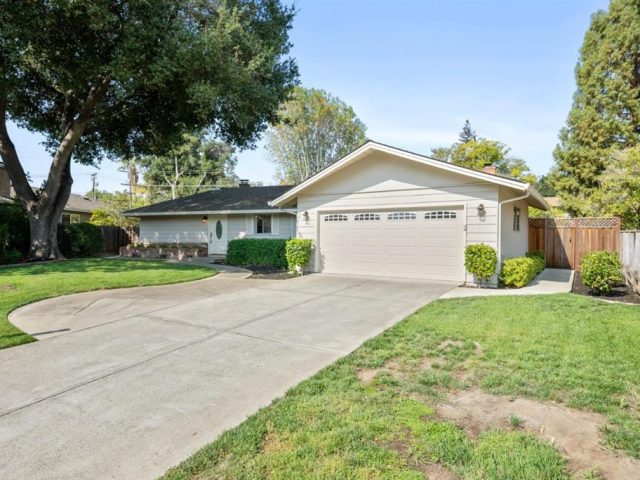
(516, 218)
(401, 216)
(440, 215)
(366, 217)
(263, 216)
(335, 217)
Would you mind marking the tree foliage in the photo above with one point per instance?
(315, 129)
(114, 204)
(619, 188)
(606, 106)
(128, 77)
(195, 163)
(467, 133)
(478, 153)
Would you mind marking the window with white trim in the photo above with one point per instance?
(366, 217)
(335, 217)
(263, 223)
(516, 219)
(439, 215)
(401, 216)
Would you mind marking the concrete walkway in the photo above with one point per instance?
(129, 382)
(551, 280)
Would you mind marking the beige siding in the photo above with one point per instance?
(178, 229)
(513, 243)
(386, 182)
(242, 226)
(190, 229)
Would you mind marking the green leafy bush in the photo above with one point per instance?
(14, 233)
(298, 252)
(80, 240)
(519, 271)
(600, 271)
(480, 260)
(265, 252)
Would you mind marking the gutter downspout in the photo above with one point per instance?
(500, 204)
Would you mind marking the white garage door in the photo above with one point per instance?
(404, 243)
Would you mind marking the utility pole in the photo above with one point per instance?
(94, 184)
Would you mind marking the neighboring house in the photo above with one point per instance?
(78, 209)
(377, 211)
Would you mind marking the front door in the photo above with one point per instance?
(217, 234)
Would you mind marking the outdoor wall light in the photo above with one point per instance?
(305, 215)
(204, 219)
(482, 212)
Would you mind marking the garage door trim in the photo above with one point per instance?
(462, 207)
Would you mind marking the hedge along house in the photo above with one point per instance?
(378, 211)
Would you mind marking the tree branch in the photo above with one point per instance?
(11, 161)
(71, 136)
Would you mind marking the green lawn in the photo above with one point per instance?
(29, 283)
(338, 425)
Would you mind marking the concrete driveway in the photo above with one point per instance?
(127, 383)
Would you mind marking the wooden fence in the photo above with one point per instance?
(565, 241)
(116, 237)
(630, 257)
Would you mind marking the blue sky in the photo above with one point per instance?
(415, 70)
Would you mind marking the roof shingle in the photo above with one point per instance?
(223, 199)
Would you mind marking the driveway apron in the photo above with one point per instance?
(127, 383)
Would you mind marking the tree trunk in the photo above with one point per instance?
(43, 222)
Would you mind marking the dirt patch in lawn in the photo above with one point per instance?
(619, 293)
(576, 434)
(435, 471)
(6, 286)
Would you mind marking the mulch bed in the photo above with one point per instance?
(269, 273)
(620, 293)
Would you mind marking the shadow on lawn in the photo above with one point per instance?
(101, 265)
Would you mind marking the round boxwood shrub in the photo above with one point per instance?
(601, 271)
(298, 253)
(480, 260)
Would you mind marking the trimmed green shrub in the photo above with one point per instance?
(80, 240)
(14, 233)
(480, 260)
(519, 271)
(264, 252)
(601, 270)
(298, 252)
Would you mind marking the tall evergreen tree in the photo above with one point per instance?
(467, 133)
(605, 116)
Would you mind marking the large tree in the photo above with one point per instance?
(479, 153)
(619, 188)
(467, 133)
(315, 129)
(195, 163)
(606, 106)
(121, 78)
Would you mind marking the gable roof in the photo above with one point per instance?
(370, 146)
(80, 203)
(222, 200)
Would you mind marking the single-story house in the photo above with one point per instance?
(379, 210)
(77, 210)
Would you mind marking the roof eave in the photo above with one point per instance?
(210, 212)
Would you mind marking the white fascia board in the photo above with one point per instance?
(373, 146)
(292, 211)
